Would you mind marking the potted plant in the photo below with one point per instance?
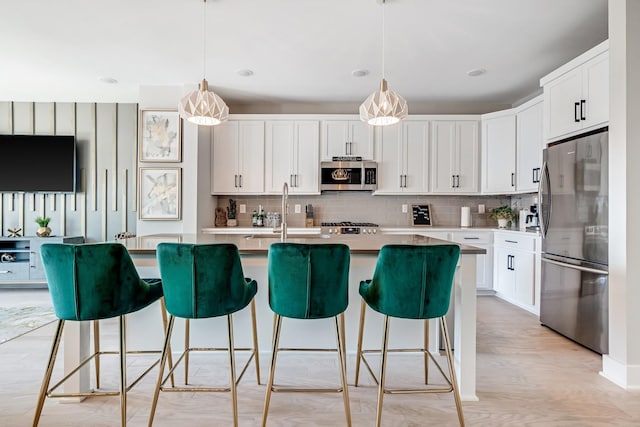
(504, 215)
(43, 229)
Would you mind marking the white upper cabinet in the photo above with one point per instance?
(403, 158)
(237, 163)
(576, 96)
(530, 144)
(454, 156)
(291, 156)
(346, 138)
(499, 153)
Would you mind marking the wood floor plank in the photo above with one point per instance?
(527, 375)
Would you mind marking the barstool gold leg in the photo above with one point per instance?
(163, 312)
(232, 364)
(452, 371)
(426, 348)
(96, 350)
(255, 339)
(383, 368)
(123, 372)
(163, 359)
(48, 372)
(343, 368)
(277, 320)
(363, 308)
(186, 351)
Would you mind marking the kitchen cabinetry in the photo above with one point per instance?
(291, 155)
(576, 96)
(499, 153)
(529, 146)
(347, 138)
(20, 261)
(403, 158)
(454, 156)
(237, 164)
(516, 273)
(484, 263)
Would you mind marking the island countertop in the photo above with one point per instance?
(258, 243)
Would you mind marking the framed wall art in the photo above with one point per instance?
(160, 193)
(160, 136)
(421, 215)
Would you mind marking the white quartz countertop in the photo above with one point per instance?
(254, 243)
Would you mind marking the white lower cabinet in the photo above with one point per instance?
(516, 271)
(484, 263)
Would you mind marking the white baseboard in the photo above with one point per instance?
(625, 376)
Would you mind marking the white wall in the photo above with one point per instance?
(622, 364)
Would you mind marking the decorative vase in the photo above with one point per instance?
(43, 232)
(232, 222)
(502, 222)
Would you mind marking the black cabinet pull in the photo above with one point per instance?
(240, 181)
(513, 179)
(457, 181)
(576, 105)
(583, 107)
(453, 181)
(235, 181)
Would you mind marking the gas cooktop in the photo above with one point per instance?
(348, 227)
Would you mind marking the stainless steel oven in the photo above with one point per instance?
(348, 175)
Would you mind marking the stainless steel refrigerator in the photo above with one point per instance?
(574, 210)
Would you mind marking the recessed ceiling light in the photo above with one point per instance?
(476, 72)
(108, 80)
(245, 72)
(360, 72)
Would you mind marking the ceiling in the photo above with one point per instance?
(300, 51)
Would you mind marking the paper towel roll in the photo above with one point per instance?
(465, 216)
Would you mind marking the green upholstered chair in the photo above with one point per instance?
(93, 282)
(308, 281)
(203, 281)
(411, 282)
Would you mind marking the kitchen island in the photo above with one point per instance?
(308, 333)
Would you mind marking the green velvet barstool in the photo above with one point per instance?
(411, 282)
(203, 281)
(308, 281)
(93, 282)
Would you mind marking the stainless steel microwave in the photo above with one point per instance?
(348, 175)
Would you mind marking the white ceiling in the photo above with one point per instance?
(301, 51)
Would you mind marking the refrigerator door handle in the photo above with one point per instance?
(545, 206)
(576, 267)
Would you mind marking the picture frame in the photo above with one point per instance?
(159, 193)
(160, 138)
(421, 215)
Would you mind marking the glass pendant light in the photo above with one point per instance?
(383, 107)
(202, 106)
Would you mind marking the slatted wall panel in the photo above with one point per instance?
(106, 141)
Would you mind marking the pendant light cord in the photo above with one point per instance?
(204, 41)
(383, 73)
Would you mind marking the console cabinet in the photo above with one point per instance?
(20, 261)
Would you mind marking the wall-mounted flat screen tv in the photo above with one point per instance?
(37, 164)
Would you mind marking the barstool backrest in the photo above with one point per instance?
(412, 281)
(308, 281)
(94, 281)
(203, 280)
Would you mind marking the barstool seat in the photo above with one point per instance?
(93, 282)
(202, 281)
(411, 282)
(308, 281)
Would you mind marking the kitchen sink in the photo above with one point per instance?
(289, 236)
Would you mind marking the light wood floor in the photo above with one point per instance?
(527, 375)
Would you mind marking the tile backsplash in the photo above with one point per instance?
(383, 210)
